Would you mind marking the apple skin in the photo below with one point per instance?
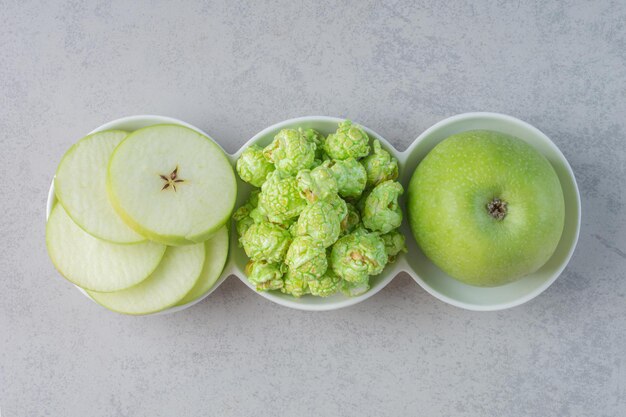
(448, 208)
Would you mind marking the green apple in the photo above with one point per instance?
(486, 208)
(171, 184)
(80, 186)
(175, 276)
(96, 264)
(216, 252)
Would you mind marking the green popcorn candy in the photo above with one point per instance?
(265, 276)
(258, 215)
(381, 211)
(253, 200)
(351, 221)
(242, 225)
(394, 244)
(295, 284)
(362, 231)
(349, 141)
(253, 166)
(306, 258)
(242, 216)
(292, 229)
(360, 204)
(266, 241)
(271, 285)
(314, 136)
(280, 198)
(380, 166)
(290, 151)
(319, 221)
(316, 184)
(340, 206)
(326, 285)
(317, 138)
(316, 163)
(350, 175)
(356, 256)
(354, 289)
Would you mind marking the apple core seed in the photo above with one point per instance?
(171, 180)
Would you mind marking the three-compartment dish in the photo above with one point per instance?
(414, 262)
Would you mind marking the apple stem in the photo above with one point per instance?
(497, 209)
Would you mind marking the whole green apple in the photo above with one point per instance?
(486, 208)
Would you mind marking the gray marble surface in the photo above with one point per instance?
(232, 69)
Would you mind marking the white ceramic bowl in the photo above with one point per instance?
(129, 124)
(447, 289)
(238, 258)
(424, 272)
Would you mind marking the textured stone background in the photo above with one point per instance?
(69, 66)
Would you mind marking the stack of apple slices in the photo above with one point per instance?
(141, 223)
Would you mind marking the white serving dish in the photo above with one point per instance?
(424, 272)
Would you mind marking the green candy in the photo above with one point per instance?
(265, 276)
(350, 176)
(306, 258)
(349, 141)
(253, 166)
(242, 225)
(380, 166)
(266, 242)
(394, 244)
(319, 221)
(327, 284)
(316, 184)
(258, 215)
(295, 284)
(358, 255)
(340, 206)
(354, 289)
(280, 198)
(317, 138)
(242, 216)
(253, 200)
(290, 151)
(300, 233)
(380, 210)
(292, 229)
(351, 221)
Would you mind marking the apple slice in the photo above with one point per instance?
(95, 264)
(171, 184)
(216, 253)
(80, 186)
(175, 276)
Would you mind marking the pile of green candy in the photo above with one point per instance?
(326, 215)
